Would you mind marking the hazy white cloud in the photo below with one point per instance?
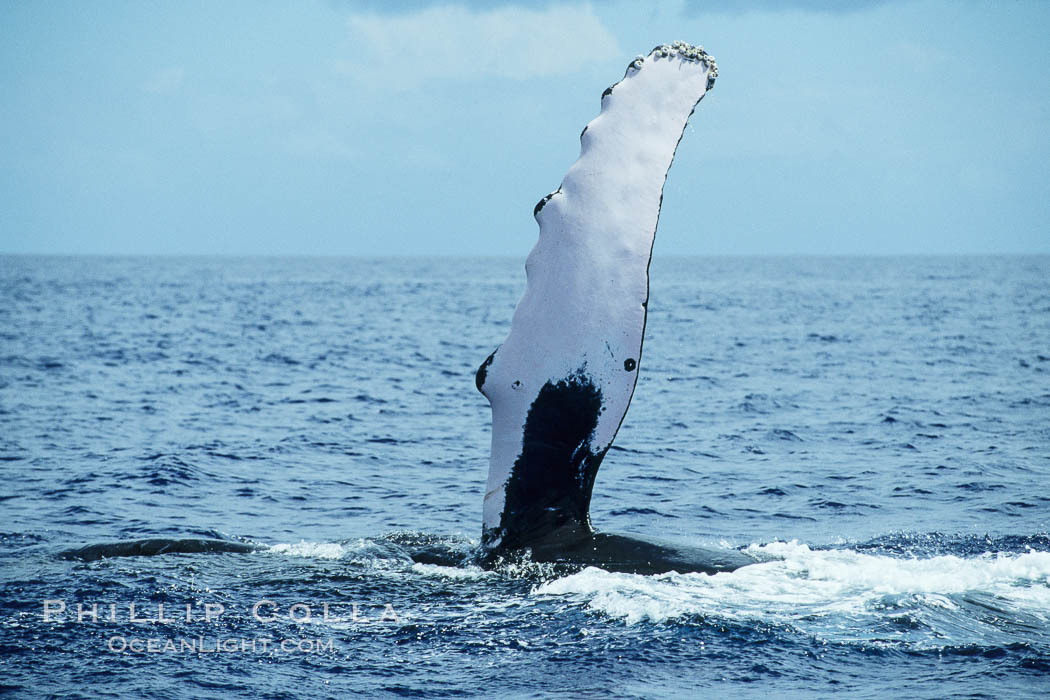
(457, 42)
(165, 82)
(917, 56)
(834, 7)
(319, 142)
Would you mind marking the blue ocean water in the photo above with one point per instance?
(881, 426)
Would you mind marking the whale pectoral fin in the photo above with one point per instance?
(561, 383)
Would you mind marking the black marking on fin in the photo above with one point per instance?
(608, 91)
(543, 202)
(549, 488)
(483, 370)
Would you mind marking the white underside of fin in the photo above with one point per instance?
(584, 306)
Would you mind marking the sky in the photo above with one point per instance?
(335, 127)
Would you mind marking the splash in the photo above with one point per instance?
(840, 595)
(312, 550)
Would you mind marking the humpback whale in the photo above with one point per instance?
(154, 546)
(560, 384)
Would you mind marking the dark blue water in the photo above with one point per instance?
(881, 425)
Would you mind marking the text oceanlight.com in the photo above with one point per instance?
(229, 645)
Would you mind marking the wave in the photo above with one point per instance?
(398, 548)
(840, 595)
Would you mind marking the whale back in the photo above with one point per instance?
(560, 384)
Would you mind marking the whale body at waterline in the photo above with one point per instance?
(560, 384)
(154, 546)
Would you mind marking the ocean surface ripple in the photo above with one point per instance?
(877, 429)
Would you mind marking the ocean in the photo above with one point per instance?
(878, 427)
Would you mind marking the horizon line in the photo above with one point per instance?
(513, 256)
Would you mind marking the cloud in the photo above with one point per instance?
(835, 7)
(166, 82)
(318, 142)
(690, 6)
(456, 42)
(917, 56)
(401, 6)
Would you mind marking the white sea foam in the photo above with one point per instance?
(807, 585)
(454, 572)
(313, 550)
(374, 552)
